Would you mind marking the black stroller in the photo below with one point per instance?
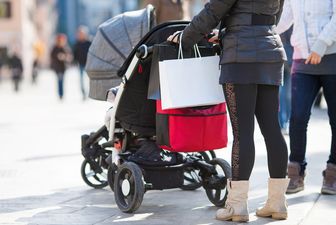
(125, 156)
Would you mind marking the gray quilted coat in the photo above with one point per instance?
(242, 43)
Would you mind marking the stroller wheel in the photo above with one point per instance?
(93, 179)
(215, 185)
(192, 180)
(128, 187)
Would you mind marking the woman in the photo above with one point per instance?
(314, 41)
(251, 72)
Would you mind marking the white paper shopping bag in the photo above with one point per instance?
(190, 82)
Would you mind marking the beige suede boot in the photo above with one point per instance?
(236, 204)
(276, 205)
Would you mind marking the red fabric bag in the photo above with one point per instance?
(191, 129)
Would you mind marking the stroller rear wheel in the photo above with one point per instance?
(95, 179)
(215, 185)
(129, 187)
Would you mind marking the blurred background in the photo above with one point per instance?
(41, 125)
(40, 130)
(28, 27)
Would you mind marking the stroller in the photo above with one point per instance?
(126, 153)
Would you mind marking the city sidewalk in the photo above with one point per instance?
(40, 158)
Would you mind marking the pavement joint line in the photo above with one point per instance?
(47, 157)
(77, 210)
(302, 221)
(69, 205)
(102, 220)
(72, 199)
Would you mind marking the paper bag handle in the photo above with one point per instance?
(180, 51)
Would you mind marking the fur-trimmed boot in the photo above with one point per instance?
(276, 205)
(236, 207)
(329, 180)
(296, 174)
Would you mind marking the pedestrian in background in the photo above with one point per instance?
(80, 52)
(60, 56)
(15, 65)
(285, 88)
(166, 10)
(314, 66)
(252, 63)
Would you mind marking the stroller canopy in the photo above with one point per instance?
(114, 41)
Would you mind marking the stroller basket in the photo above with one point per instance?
(173, 177)
(192, 129)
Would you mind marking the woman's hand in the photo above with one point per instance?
(313, 58)
(175, 37)
(213, 37)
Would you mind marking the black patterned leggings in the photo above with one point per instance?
(244, 101)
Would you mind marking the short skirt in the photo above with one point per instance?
(252, 73)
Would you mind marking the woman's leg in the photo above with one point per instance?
(267, 115)
(241, 100)
(329, 90)
(241, 104)
(304, 90)
(329, 174)
(277, 155)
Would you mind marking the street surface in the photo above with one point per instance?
(40, 158)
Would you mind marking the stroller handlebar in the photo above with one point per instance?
(143, 51)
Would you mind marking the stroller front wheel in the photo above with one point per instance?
(94, 179)
(215, 186)
(129, 187)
